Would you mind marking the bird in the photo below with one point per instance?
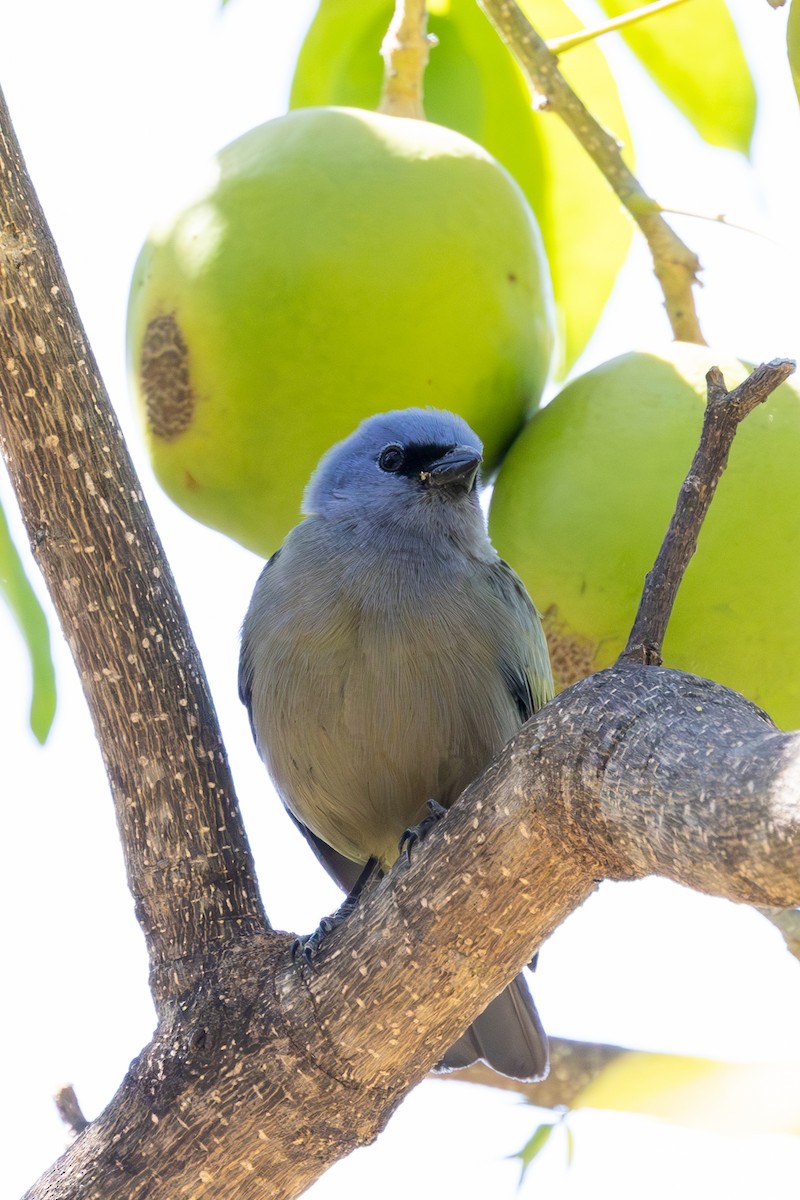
(387, 654)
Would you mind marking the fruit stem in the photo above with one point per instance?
(724, 412)
(676, 266)
(569, 41)
(405, 55)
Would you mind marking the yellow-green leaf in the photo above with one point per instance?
(586, 231)
(694, 54)
(339, 61)
(32, 622)
(793, 44)
(473, 85)
(534, 1146)
(700, 1092)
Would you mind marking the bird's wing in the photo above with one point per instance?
(246, 667)
(524, 660)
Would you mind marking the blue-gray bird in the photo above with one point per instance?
(387, 654)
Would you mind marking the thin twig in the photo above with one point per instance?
(69, 1109)
(569, 41)
(675, 265)
(716, 219)
(405, 55)
(724, 412)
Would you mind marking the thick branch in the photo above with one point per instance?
(272, 1070)
(675, 265)
(724, 412)
(188, 863)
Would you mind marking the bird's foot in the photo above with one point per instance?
(309, 945)
(416, 833)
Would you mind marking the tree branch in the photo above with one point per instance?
(271, 1070)
(188, 863)
(724, 412)
(263, 1071)
(675, 265)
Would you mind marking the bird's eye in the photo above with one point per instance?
(391, 459)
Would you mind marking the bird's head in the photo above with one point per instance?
(398, 464)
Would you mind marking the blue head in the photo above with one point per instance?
(414, 463)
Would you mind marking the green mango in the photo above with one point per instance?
(584, 498)
(474, 85)
(335, 264)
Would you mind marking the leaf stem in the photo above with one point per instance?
(676, 266)
(569, 41)
(405, 56)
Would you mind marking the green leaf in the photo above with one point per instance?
(534, 1145)
(474, 85)
(702, 1093)
(694, 54)
(339, 60)
(32, 622)
(793, 44)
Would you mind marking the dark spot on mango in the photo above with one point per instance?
(164, 376)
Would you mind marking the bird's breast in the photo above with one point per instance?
(369, 709)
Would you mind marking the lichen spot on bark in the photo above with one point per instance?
(164, 378)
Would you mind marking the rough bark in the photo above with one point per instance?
(263, 1070)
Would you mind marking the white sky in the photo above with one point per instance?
(113, 103)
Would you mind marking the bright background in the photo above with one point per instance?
(113, 104)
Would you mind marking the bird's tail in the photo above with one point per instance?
(508, 1035)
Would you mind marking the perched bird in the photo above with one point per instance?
(387, 654)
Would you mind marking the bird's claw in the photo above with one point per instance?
(309, 945)
(416, 833)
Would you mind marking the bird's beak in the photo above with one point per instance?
(458, 467)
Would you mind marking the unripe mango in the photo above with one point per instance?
(584, 498)
(339, 263)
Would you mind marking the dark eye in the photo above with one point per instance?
(391, 459)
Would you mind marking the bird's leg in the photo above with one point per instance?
(311, 943)
(415, 833)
